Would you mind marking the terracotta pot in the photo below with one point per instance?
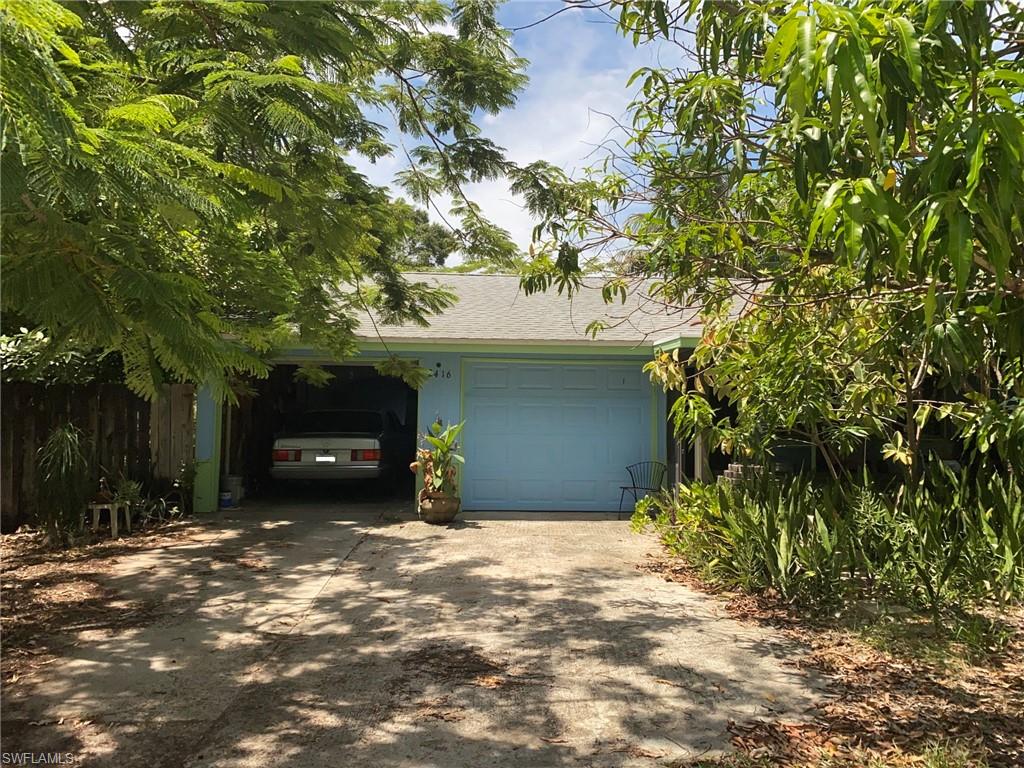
(439, 510)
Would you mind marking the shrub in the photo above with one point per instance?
(945, 539)
(64, 482)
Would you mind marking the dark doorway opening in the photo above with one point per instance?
(251, 427)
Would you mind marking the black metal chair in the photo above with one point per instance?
(646, 476)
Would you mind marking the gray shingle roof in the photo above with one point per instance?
(493, 308)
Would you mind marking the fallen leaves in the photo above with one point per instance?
(438, 709)
(489, 681)
(883, 708)
(49, 595)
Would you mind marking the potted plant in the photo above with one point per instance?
(438, 460)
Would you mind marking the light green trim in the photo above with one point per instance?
(462, 414)
(308, 355)
(655, 414)
(554, 360)
(295, 357)
(679, 342)
(206, 491)
(512, 349)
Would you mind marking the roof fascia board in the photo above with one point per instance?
(299, 354)
(682, 341)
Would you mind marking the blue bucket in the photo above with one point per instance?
(225, 500)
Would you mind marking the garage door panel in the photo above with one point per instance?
(542, 453)
(535, 377)
(582, 377)
(489, 377)
(492, 457)
(534, 416)
(613, 487)
(624, 416)
(492, 490)
(576, 416)
(622, 456)
(625, 379)
(491, 415)
(580, 491)
(558, 437)
(538, 490)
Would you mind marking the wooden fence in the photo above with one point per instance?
(127, 436)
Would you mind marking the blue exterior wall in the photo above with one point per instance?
(440, 397)
(443, 396)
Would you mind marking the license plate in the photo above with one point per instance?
(325, 459)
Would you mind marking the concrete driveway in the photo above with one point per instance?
(318, 635)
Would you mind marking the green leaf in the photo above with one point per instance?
(995, 235)
(899, 123)
(961, 247)
(932, 219)
(910, 47)
(808, 47)
(800, 172)
(825, 210)
(661, 17)
(853, 227)
(929, 305)
(781, 46)
(937, 10)
(1004, 75)
(861, 93)
(977, 153)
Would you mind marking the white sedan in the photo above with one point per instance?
(335, 445)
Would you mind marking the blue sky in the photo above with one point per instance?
(579, 66)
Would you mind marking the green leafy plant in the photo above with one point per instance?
(439, 458)
(935, 509)
(644, 511)
(63, 482)
(850, 174)
(160, 511)
(180, 183)
(996, 547)
(948, 541)
(129, 492)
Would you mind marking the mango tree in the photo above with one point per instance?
(839, 189)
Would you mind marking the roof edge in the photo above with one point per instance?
(676, 341)
(433, 341)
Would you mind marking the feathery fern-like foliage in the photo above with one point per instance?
(176, 178)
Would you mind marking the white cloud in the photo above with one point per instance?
(578, 72)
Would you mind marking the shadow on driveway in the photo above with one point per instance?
(298, 634)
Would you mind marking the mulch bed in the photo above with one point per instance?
(882, 708)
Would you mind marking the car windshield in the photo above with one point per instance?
(335, 421)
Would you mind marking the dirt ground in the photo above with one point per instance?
(898, 693)
(329, 634)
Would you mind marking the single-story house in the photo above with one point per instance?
(552, 414)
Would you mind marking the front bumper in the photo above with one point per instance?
(325, 472)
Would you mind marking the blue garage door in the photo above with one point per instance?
(550, 436)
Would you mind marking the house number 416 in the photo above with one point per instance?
(442, 373)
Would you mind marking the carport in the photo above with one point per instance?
(268, 405)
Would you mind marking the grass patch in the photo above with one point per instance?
(967, 639)
(939, 755)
